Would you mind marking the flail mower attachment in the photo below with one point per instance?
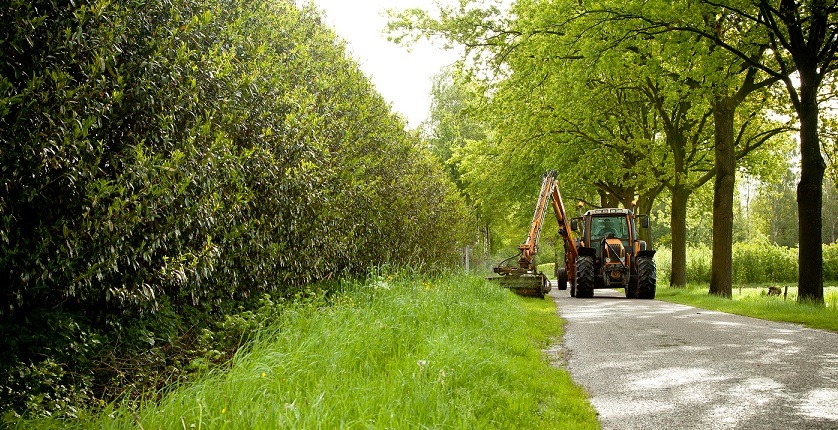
(527, 283)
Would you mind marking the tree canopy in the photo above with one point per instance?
(624, 109)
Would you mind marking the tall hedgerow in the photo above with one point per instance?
(830, 262)
(761, 261)
(753, 263)
(180, 154)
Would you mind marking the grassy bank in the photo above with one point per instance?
(396, 352)
(754, 302)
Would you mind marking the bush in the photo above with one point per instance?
(698, 263)
(58, 376)
(762, 262)
(830, 261)
(753, 263)
(699, 259)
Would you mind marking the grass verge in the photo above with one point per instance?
(402, 352)
(754, 302)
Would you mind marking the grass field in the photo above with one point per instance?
(395, 352)
(754, 302)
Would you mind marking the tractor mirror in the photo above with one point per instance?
(644, 221)
(574, 225)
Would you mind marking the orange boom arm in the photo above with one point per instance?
(526, 269)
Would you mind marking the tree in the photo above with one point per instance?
(726, 144)
(724, 79)
(453, 123)
(802, 38)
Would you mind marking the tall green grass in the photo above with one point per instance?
(395, 352)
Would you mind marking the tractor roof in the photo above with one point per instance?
(608, 211)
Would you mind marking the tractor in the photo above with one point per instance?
(609, 254)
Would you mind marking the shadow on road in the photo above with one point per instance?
(651, 364)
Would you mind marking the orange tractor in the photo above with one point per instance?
(608, 253)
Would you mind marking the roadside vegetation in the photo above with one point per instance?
(166, 164)
(756, 267)
(754, 301)
(396, 351)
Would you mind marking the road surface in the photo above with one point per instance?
(650, 364)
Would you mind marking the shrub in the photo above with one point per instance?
(761, 262)
(758, 262)
(830, 261)
(699, 259)
(698, 263)
(58, 374)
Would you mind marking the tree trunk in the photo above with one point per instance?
(487, 245)
(678, 223)
(721, 276)
(608, 200)
(645, 203)
(810, 197)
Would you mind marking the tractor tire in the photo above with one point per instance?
(573, 287)
(561, 278)
(647, 278)
(631, 289)
(584, 277)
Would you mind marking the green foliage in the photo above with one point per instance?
(830, 261)
(454, 119)
(59, 379)
(829, 212)
(699, 258)
(757, 262)
(171, 156)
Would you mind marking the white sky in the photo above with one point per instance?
(402, 77)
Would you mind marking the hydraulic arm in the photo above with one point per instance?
(525, 279)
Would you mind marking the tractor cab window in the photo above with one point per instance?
(608, 227)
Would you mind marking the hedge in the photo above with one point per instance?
(753, 263)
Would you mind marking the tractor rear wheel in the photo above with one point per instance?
(584, 277)
(561, 278)
(647, 278)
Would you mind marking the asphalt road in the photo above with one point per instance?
(649, 364)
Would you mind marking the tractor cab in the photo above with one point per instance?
(601, 226)
(608, 226)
